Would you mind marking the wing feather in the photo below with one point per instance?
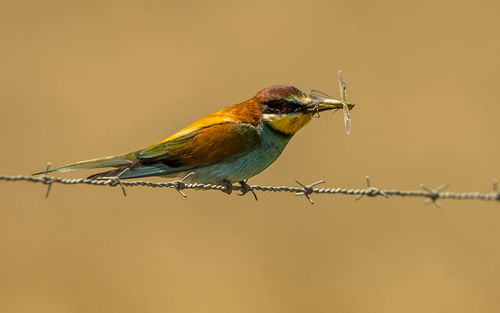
(203, 146)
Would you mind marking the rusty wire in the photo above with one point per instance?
(431, 195)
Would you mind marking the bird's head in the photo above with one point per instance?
(286, 109)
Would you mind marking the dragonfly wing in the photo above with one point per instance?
(318, 95)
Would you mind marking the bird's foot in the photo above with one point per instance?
(228, 187)
(245, 187)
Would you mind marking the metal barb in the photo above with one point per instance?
(116, 180)
(433, 194)
(47, 180)
(429, 194)
(180, 184)
(308, 189)
(495, 189)
(371, 191)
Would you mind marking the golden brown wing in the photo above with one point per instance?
(203, 146)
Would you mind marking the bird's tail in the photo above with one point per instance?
(111, 161)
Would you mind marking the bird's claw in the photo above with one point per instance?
(228, 187)
(245, 187)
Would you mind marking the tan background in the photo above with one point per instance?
(86, 79)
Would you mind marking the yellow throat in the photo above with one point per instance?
(287, 124)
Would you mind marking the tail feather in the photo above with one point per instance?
(112, 173)
(139, 170)
(111, 161)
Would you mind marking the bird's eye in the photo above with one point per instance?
(281, 106)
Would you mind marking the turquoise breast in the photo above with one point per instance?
(247, 165)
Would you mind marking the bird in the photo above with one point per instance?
(228, 146)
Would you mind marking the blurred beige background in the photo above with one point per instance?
(84, 79)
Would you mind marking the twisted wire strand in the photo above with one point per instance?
(431, 195)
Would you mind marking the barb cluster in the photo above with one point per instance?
(431, 195)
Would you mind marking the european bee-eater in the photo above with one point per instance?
(227, 146)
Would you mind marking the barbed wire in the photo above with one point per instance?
(431, 195)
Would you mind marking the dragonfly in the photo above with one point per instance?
(346, 105)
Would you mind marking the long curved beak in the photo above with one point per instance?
(320, 105)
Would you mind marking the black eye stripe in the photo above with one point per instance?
(281, 106)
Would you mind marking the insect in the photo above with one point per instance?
(346, 105)
(345, 108)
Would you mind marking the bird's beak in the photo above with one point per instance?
(319, 105)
